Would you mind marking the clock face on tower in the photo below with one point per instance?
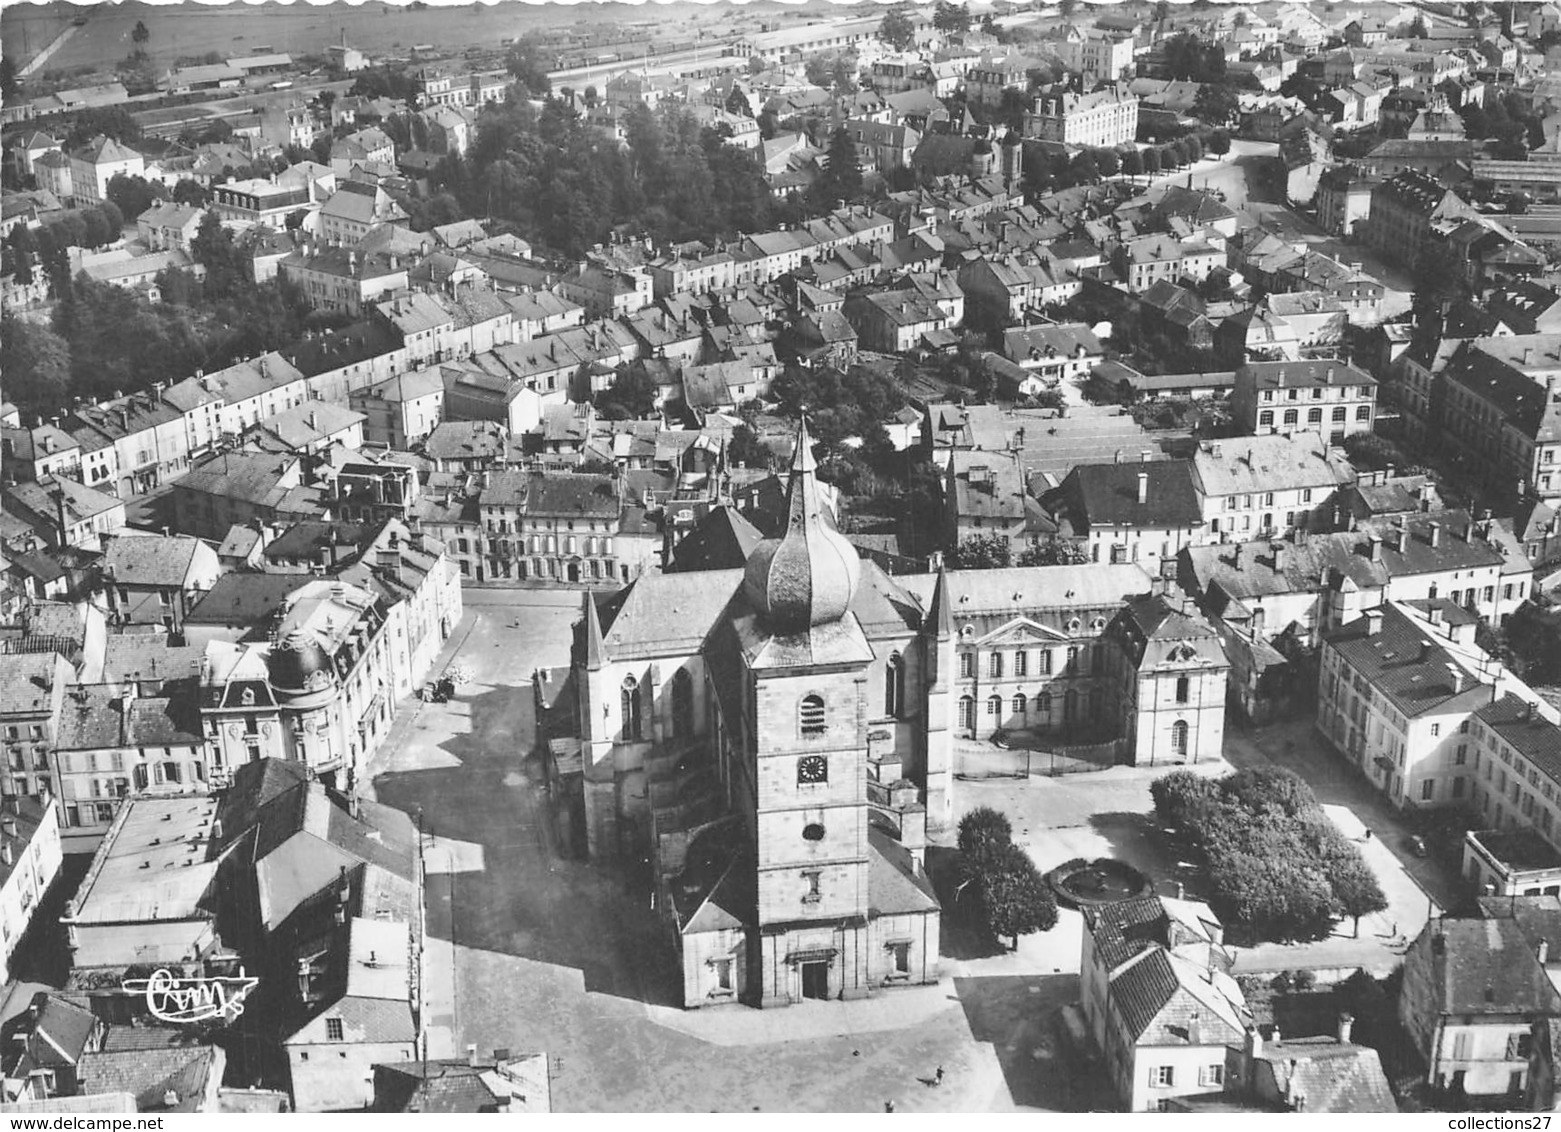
(812, 768)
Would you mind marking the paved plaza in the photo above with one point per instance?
(531, 948)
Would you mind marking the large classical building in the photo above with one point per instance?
(775, 732)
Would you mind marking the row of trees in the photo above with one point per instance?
(565, 188)
(26, 251)
(993, 552)
(1047, 172)
(1280, 870)
(104, 339)
(1011, 897)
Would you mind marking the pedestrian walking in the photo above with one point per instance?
(937, 1078)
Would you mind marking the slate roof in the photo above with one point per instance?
(1302, 375)
(1486, 966)
(1333, 1076)
(1106, 495)
(57, 1037)
(1253, 464)
(163, 561)
(1404, 661)
(1493, 368)
(151, 1075)
(895, 886)
(662, 614)
(1529, 733)
(722, 540)
(244, 599)
(439, 1086)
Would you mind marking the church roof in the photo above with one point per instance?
(807, 577)
(895, 886)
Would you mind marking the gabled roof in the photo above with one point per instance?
(1107, 495)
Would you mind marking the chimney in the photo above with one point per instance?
(1143, 487)
(1181, 891)
(1254, 1046)
(1347, 1026)
(1373, 622)
(1542, 952)
(1375, 544)
(1278, 550)
(1434, 614)
(1456, 675)
(471, 1055)
(1436, 534)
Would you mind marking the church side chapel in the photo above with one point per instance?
(778, 740)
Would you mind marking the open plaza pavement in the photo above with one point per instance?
(531, 948)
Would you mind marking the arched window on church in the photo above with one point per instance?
(967, 713)
(632, 726)
(1019, 703)
(810, 715)
(1043, 703)
(682, 704)
(1183, 689)
(994, 705)
(894, 686)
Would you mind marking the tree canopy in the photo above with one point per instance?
(981, 552)
(896, 28)
(950, 17)
(1279, 869)
(1010, 893)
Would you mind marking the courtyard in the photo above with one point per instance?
(531, 948)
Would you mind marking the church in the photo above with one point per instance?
(778, 734)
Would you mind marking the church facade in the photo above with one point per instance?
(778, 739)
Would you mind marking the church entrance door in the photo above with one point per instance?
(815, 980)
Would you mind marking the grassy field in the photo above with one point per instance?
(190, 29)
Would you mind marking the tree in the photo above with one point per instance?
(526, 63)
(1151, 159)
(842, 178)
(983, 833)
(1066, 8)
(1108, 162)
(896, 28)
(36, 362)
(1356, 890)
(139, 35)
(1194, 147)
(1219, 143)
(1369, 452)
(747, 449)
(192, 193)
(1052, 552)
(1132, 162)
(1014, 897)
(1438, 280)
(133, 195)
(10, 83)
(950, 17)
(632, 395)
(982, 552)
